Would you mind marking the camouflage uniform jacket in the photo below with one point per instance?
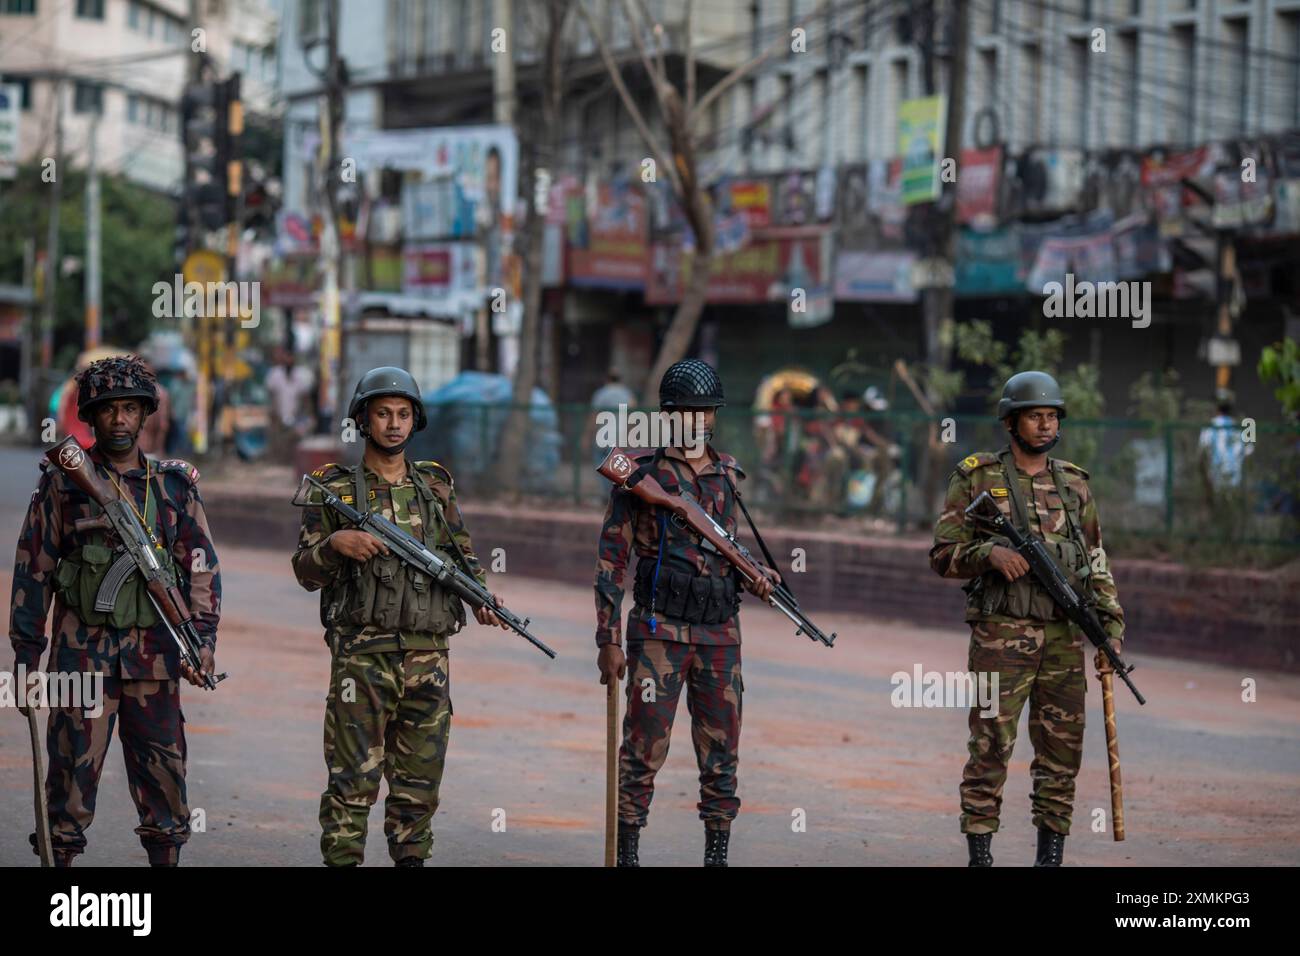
(633, 525)
(48, 534)
(962, 551)
(317, 565)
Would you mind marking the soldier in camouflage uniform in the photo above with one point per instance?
(388, 712)
(1017, 631)
(683, 631)
(137, 658)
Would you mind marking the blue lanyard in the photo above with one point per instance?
(654, 582)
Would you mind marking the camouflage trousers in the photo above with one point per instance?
(151, 727)
(656, 673)
(388, 715)
(1044, 665)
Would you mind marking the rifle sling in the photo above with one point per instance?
(363, 505)
(1019, 516)
(771, 562)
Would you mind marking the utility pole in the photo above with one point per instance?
(937, 298)
(93, 282)
(52, 236)
(189, 212)
(233, 329)
(503, 113)
(331, 247)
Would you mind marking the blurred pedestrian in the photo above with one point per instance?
(608, 398)
(288, 384)
(1222, 448)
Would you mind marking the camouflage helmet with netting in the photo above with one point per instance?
(118, 376)
(691, 383)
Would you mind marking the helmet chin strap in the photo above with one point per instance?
(389, 450)
(117, 444)
(1035, 449)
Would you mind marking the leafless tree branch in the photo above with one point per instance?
(615, 74)
(738, 74)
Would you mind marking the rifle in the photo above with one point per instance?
(414, 553)
(1079, 609)
(617, 467)
(136, 554)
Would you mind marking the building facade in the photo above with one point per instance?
(120, 66)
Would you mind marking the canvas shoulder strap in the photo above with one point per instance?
(1010, 472)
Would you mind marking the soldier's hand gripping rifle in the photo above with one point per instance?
(618, 468)
(1077, 608)
(136, 554)
(414, 553)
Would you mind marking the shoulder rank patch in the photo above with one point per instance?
(1071, 466)
(184, 467)
(998, 492)
(439, 470)
(329, 472)
(727, 461)
(977, 460)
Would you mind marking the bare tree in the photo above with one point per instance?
(545, 150)
(677, 159)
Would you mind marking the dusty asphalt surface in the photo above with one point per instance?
(1208, 778)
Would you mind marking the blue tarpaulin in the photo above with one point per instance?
(466, 416)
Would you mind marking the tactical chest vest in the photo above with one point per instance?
(1024, 598)
(81, 572)
(383, 592)
(668, 585)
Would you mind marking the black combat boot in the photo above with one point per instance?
(164, 855)
(980, 845)
(409, 861)
(715, 847)
(1051, 847)
(628, 837)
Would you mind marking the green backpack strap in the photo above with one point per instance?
(359, 487)
(1018, 513)
(429, 502)
(1076, 532)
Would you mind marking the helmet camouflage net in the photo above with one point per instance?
(119, 376)
(691, 383)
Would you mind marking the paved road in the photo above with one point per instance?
(1208, 779)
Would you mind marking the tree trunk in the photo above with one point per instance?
(681, 331)
(698, 209)
(509, 471)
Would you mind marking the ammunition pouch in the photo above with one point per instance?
(77, 580)
(385, 593)
(686, 597)
(1024, 598)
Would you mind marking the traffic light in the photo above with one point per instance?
(211, 127)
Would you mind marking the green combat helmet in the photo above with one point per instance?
(1030, 390)
(387, 380)
(119, 376)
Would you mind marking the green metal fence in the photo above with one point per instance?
(887, 470)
